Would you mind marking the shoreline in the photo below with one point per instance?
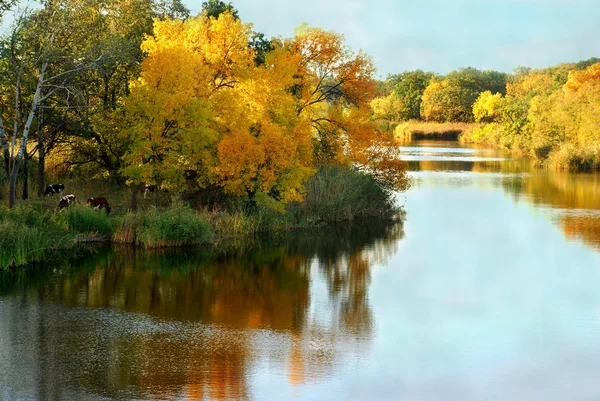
(29, 232)
(81, 241)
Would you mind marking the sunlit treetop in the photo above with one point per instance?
(579, 78)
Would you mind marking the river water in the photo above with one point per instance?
(488, 292)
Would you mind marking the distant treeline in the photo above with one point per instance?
(552, 114)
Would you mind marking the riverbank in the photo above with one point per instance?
(559, 156)
(417, 130)
(30, 233)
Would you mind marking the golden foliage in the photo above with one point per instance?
(578, 78)
(487, 106)
(201, 104)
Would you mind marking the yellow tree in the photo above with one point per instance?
(580, 106)
(388, 110)
(202, 108)
(487, 107)
(578, 78)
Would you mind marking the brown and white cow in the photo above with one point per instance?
(65, 201)
(99, 204)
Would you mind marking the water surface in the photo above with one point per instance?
(489, 291)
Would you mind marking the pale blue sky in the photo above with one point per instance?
(442, 35)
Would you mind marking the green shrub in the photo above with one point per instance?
(29, 234)
(490, 134)
(85, 221)
(176, 226)
(337, 194)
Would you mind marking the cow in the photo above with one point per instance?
(54, 189)
(149, 188)
(65, 201)
(70, 198)
(99, 204)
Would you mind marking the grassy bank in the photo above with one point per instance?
(31, 233)
(560, 156)
(415, 129)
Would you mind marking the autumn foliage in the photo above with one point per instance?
(204, 114)
(551, 114)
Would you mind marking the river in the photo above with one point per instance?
(488, 291)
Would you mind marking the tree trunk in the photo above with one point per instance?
(41, 157)
(5, 150)
(136, 189)
(25, 176)
(12, 181)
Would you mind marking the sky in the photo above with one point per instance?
(442, 35)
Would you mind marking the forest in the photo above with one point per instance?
(551, 114)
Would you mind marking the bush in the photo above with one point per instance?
(176, 226)
(574, 158)
(337, 194)
(490, 134)
(87, 222)
(29, 234)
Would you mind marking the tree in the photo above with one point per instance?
(214, 8)
(261, 46)
(202, 108)
(334, 88)
(116, 28)
(487, 107)
(577, 79)
(40, 66)
(204, 114)
(452, 98)
(443, 101)
(408, 87)
(257, 40)
(6, 5)
(390, 110)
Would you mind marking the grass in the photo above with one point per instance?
(338, 194)
(34, 232)
(573, 158)
(89, 224)
(172, 227)
(29, 234)
(415, 129)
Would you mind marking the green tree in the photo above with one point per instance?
(45, 63)
(408, 87)
(214, 8)
(116, 29)
(452, 98)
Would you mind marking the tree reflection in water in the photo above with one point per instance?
(193, 325)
